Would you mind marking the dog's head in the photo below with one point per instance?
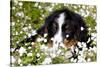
(66, 26)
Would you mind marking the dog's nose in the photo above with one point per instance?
(57, 42)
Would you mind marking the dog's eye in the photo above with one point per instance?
(67, 35)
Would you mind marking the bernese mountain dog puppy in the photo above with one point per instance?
(64, 26)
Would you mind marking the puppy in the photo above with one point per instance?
(64, 26)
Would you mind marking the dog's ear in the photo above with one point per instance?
(83, 35)
(81, 29)
(83, 32)
(42, 30)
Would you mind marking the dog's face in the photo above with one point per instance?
(66, 27)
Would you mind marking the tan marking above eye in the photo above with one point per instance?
(50, 44)
(45, 30)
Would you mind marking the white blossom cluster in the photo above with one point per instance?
(52, 52)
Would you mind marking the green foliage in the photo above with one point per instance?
(58, 60)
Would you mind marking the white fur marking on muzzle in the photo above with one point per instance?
(58, 36)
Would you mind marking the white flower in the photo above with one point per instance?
(20, 14)
(43, 48)
(62, 53)
(29, 54)
(25, 44)
(13, 59)
(50, 9)
(25, 28)
(29, 35)
(20, 3)
(43, 15)
(58, 52)
(90, 53)
(82, 12)
(96, 27)
(94, 37)
(89, 29)
(19, 60)
(25, 36)
(39, 39)
(50, 50)
(53, 4)
(68, 54)
(29, 47)
(29, 27)
(84, 44)
(21, 32)
(81, 53)
(21, 65)
(41, 18)
(45, 35)
(83, 6)
(32, 43)
(94, 49)
(82, 28)
(38, 55)
(45, 40)
(22, 50)
(27, 17)
(29, 65)
(72, 59)
(15, 2)
(81, 59)
(12, 49)
(76, 11)
(17, 42)
(47, 60)
(89, 39)
(75, 60)
(94, 16)
(36, 4)
(53, 55)
(39, 7)
(93, 34)
(16, 33)
(34, 32)
(84, 49)
(75, 7)
(87, 13)
(13, 23)
(79, 44)
(89, 59)
(18, 20)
